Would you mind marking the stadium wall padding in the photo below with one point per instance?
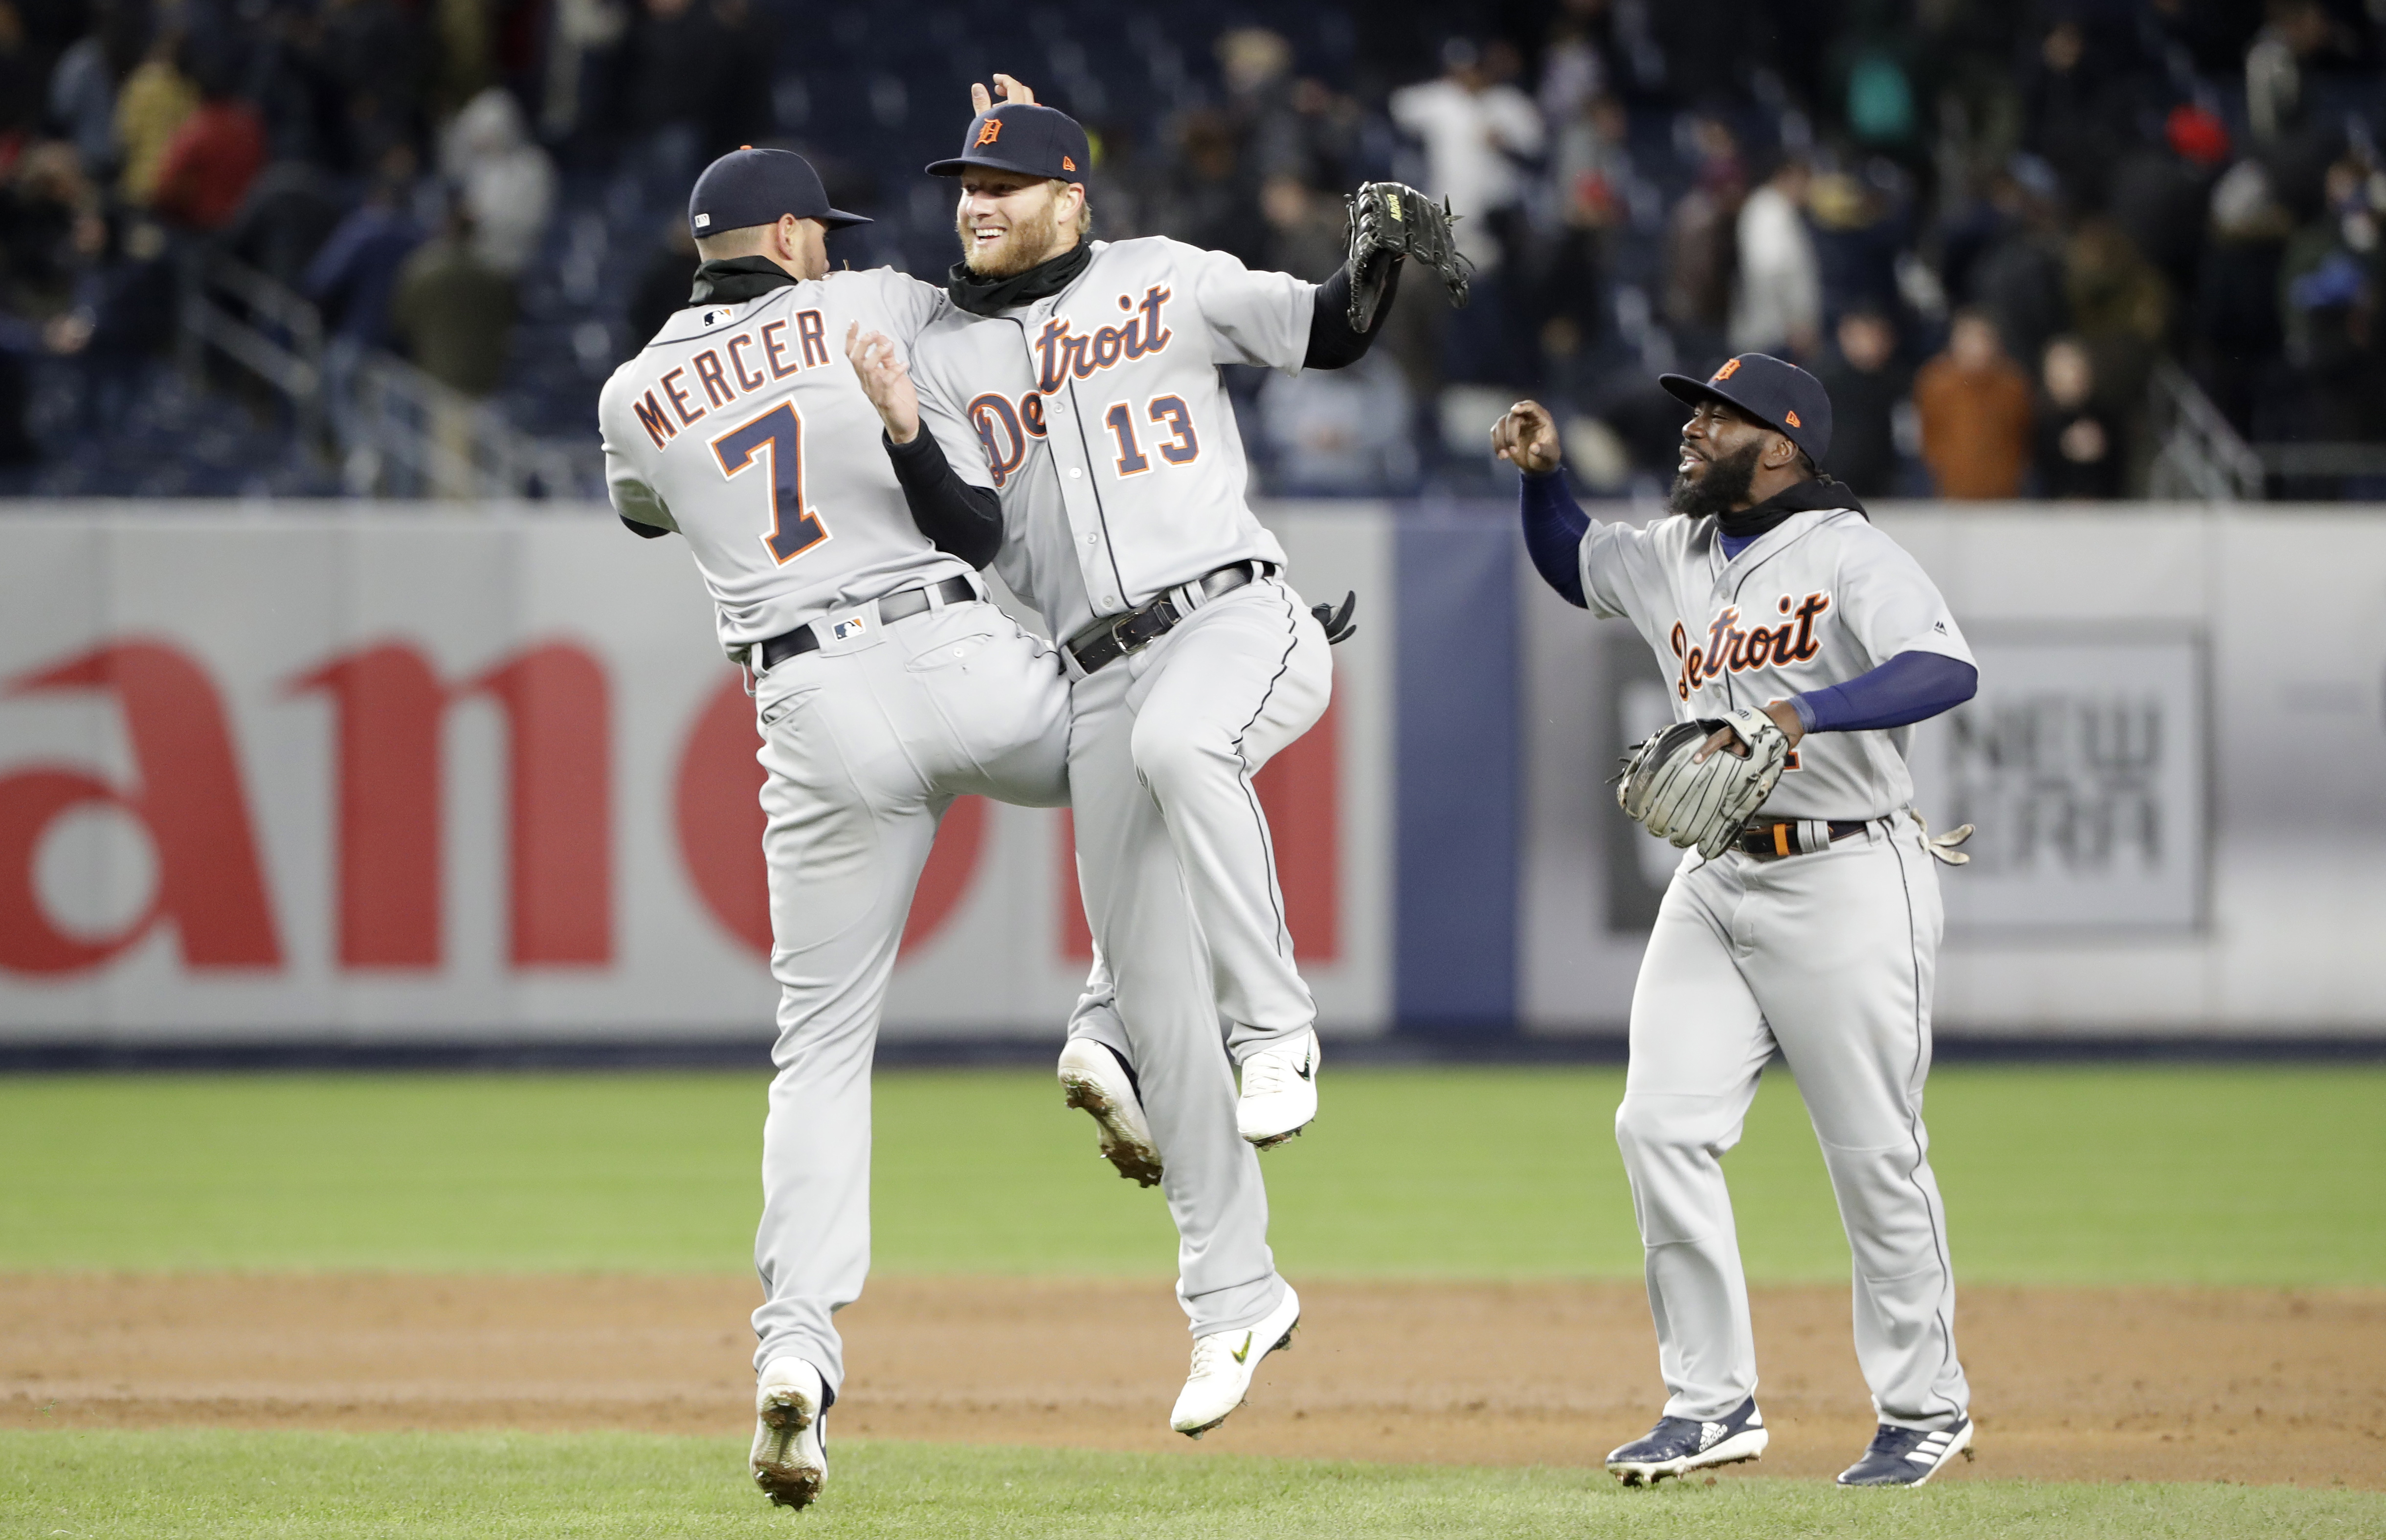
(364, 774)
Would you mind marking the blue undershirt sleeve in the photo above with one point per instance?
(1554, 525)
(1908, 688)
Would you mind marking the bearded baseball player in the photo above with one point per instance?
(1803, 645)
(884, 685)
(1073, 404)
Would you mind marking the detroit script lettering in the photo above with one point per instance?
(1730, 648)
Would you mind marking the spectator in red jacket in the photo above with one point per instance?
(212, 159)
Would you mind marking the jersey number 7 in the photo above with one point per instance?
(794, 529)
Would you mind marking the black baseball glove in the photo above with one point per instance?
(1389, 221)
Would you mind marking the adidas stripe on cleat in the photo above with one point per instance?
(1908, 1457)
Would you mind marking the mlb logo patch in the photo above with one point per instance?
(847, 628)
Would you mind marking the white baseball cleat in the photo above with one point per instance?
(1223, 1365)
(1095, 1079)
(790, 1458)
(1279, 1095)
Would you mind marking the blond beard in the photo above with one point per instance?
(1025, 244)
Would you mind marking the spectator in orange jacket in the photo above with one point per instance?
(1976, 411)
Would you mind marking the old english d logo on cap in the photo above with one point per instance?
(1772, 390)
(1023, 139)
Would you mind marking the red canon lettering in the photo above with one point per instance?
(187, 796)
(391, 709)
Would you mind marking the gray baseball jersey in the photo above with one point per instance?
(743, 427)
(1098, 415)
(1827, 957)
(717, 429)
(1815, 601)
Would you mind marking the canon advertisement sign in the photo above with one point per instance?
(431, 775)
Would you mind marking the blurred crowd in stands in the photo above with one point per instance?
(1988, 224)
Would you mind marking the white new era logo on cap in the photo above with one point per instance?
(703, 221)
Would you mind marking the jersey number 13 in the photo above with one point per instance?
(779, 432)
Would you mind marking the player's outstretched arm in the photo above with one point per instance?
(1555, 523)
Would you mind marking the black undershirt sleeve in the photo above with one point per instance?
(644, 532)
(958, 519)
(1332, 343)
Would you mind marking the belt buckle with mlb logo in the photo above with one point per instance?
(846, 629)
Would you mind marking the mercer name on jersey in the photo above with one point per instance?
(739, 365)
(1733, 648)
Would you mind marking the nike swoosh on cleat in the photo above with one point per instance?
(1245, 1350)
(1303, 1070)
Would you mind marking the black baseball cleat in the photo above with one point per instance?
(1679, 1444)
(1908, 1457)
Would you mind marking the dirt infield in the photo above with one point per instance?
(2169, 1384)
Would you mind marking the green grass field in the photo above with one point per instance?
(219, 1487)
(2051, 1175)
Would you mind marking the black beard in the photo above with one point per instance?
(1723, 488)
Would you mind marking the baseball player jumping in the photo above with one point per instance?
(1801, 644)
(885, 686)
(1075, 409)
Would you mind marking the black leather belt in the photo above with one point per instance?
(1769, 839)
(894, 607)
(1113, 636)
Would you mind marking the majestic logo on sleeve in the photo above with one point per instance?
(1062, 354)
(1733, 648)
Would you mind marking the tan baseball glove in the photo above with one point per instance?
(1688, 801)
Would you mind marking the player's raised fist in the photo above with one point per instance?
(1526, 438)
(885, 380)
(1011, 91)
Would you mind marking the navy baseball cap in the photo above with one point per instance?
(755, 187)
(1022, 138)
(1774, 391)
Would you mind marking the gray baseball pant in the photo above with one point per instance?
(1829, 957)
(1178, 874)
(866, 742)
